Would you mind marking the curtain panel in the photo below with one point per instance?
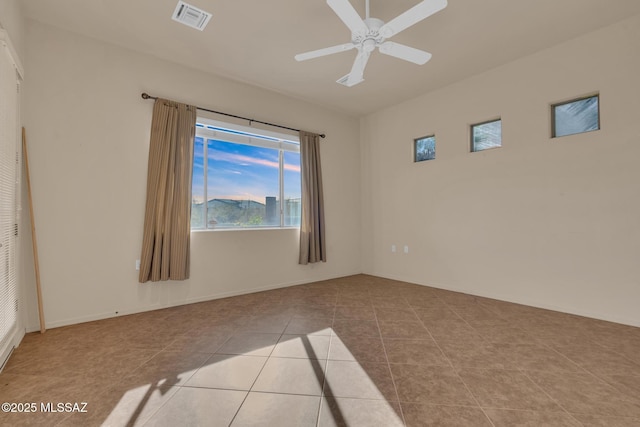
(313, 246)
(167, 231)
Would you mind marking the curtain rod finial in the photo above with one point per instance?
(322, 135)
(145, 95)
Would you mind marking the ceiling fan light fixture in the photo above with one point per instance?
(369, 33)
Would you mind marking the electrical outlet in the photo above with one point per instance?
(406, 249)
(137, 265)
(393, 249)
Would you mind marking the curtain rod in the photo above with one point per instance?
(322, 135)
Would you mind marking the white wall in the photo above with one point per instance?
(89, 134)
(12, 20)
(545, 222)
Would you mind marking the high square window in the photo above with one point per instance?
(486, 135)
(424, 148)
(576, 116)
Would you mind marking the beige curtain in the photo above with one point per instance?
(167, 230)
(313, 246)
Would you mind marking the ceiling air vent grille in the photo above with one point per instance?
(191, 16)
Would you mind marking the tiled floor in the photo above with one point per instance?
(357, 351)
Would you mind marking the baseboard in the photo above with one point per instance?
(220, 295)
(13, 342)
(515, 300)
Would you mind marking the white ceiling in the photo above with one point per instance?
(255, 41)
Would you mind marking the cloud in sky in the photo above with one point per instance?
(242, 160)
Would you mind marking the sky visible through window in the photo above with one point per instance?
(241, 172)
(244, 172)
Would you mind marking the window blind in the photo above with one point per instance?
(9, 195)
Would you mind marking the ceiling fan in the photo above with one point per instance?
(371, 33)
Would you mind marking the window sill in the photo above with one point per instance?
(203, 230)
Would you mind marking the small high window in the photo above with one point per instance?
(575, 116)
(424, 148)
(486, 135)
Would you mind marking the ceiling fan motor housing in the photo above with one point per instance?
(372, 37)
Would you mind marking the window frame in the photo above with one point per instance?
(472, 139)
(571, 101)
(210, 129)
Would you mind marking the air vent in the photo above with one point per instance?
(191, 16)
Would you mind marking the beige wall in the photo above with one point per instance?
(12, 20)
(546, 222)
(89, 136)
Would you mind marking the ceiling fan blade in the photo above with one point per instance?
(349, 16)
(357, 70)
(323, 52)
(417, 13)
(407, 53)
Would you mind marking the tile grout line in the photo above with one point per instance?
(526, 374)
(393, 381)
(455, 370)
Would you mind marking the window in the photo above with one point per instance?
(486, 135)
(576, 116)
(244, 178)
(10, 171)
(424, 148)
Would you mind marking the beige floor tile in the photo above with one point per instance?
(452, 330)
(592, 358)
(534, 357)
(341, 412)
(395, 314)
(359, 380)
(425, 301)
(360, 328)
(476, 354)
(292, 376)
(275, 324)
(437, 313)
(503, 389)
(354, 299)
(430, 384)
(124, 405)
(282, 410)
(416, 352)
(302, 347)
(199, 343)
(424, 415)
(315, 311)
(600, 421)
(309, 326)
(585, 394)
(388, 301)
(403, 329)
(168, 367)
(509, 418)
(198, 407)
(503, 334)
(27, 388)
(357, 313)
(233, 372)
(629, 385)
(356, 348)
(250, 344)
